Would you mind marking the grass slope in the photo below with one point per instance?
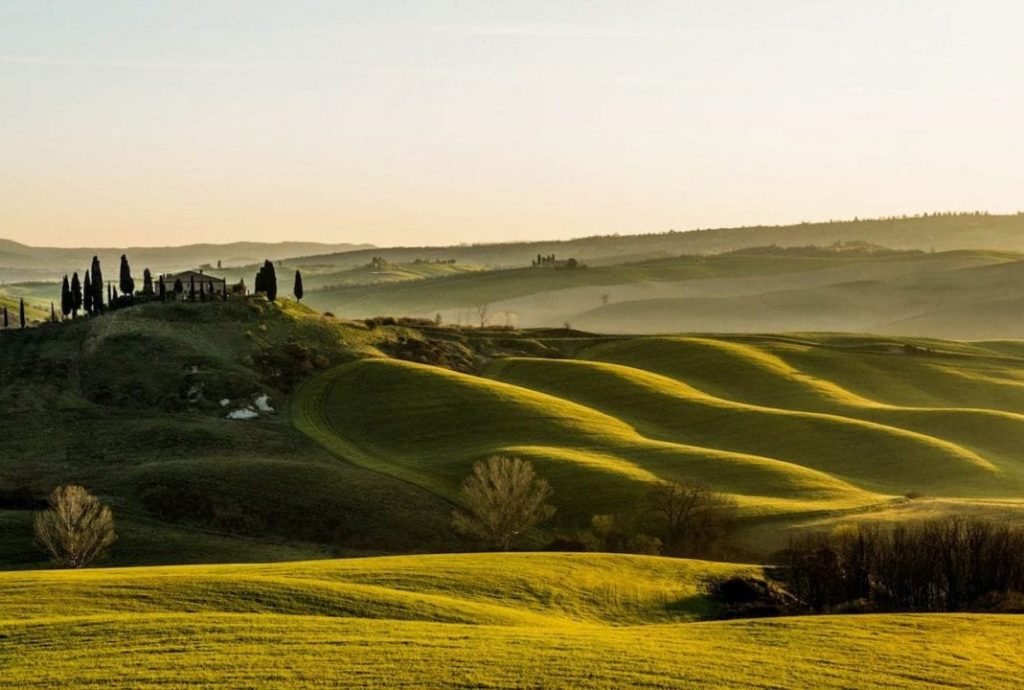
(486, 620)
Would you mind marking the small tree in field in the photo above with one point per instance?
(504, 499)
(297, 290)
(76, 528)
(692, 518)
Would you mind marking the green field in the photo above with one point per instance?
(366, 449)
(789, 426)
(484, 620)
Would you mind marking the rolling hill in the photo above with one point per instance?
(483, 620)
(375, 426)
(955, 294)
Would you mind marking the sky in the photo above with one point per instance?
(146, 122)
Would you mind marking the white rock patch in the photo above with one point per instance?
(244, 413)
(263, 404)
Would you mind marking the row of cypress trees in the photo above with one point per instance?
(78, 295)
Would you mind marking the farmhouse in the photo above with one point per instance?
(211, 285)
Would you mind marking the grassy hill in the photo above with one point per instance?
(375, 426)
(503, 621)
(956, 294)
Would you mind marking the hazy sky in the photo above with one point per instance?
(166, 122)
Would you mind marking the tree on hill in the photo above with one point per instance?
(297, 290)
(87, 294)
(65, 298)
(53, 313)
(7, 322)
(179, 289)
(97, 286)
(503, 500)
(162, 289)
(266, 280)
(693, 519)
(192, 289)
(147, 283)
(76, 295)
(76, 528)
(126, 282)
(21, 312)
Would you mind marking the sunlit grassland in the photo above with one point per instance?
(483, 620)
(788, 425)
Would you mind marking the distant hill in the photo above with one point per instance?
(926, 233)
(964, 294)
(20, 262)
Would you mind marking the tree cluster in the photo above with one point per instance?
(266, 281)
(951, 564)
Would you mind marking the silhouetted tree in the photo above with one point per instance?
(692, 518)
(21, 312)
(76, 295)
(162, 289)
(297, 290)
(202, 291)
(503, 500)
(127, 283)
(147, 283)
(53, 313)
(270, 280)
(87, 296)
(179, 289)
(97, 286)
(65, 298)
(7, 322)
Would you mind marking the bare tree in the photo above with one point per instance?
(76, 528)
(504, 499)
(483, 313)
(605, 298)
(692, 517)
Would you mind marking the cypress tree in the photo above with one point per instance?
(257, 286)
(127, 282)
(7, 322)
(297, 290)
(162, 287)
(53, 313)
(110, 294)
(202, 291)
(178, 288)
(97, 286)
(21, 312)
(147, 283)
(76, 295)
(270, 280)
(192, 289)
(66, 301)
(87, 294)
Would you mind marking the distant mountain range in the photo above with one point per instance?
(23, 262)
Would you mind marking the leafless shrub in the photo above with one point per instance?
(76, 528)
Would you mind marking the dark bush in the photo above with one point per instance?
(745, 596)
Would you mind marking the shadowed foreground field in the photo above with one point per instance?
(501, 621)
